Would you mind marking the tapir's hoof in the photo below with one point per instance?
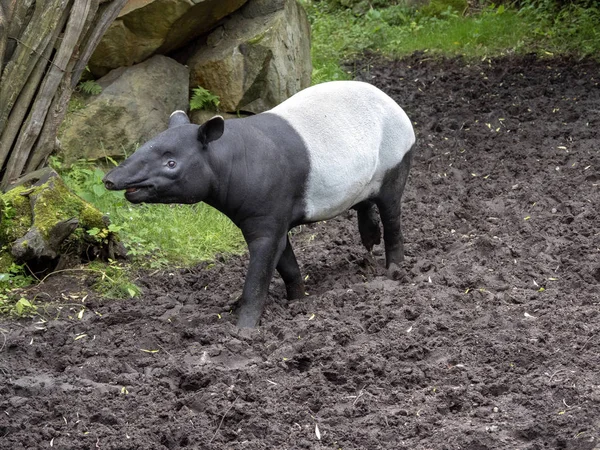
(247, 321)
(246, 334)
(371, 240)
(395, 272)
(295, 291)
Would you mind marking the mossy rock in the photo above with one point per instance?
(45, 225)
(15, 215)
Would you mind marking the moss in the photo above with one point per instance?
(15, 218)
(56, 204)
(76, 103)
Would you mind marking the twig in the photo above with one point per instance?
(586, 342)
(555, 373)
(4, 342)
(31, 272)
(222, 419)
(76, 270)
(360, 394)
(164, 350)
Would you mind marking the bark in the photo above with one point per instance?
(44, 47)
(20, 109)
(33, 126)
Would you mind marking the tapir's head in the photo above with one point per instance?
(172, 167)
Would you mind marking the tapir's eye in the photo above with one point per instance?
(171, 164)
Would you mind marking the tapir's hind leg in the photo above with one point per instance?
(368, 224)
(290, 272)
(389, 203)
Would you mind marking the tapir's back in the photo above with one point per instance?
(354, 134)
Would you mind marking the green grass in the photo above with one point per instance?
(339, 35)
(176, 234)
(157, 235)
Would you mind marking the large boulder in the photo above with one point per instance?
(146, 27)
(133, 107)
(258, 58)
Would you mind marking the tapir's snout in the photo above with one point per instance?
(116, 180)
(108, 183)
(136, 191)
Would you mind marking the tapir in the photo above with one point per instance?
(329, 148)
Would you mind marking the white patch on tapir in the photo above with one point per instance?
(354, 134)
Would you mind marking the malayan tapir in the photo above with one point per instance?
(329, 148)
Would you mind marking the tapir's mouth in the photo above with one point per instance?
(136, 193)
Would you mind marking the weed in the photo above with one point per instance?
(114, 280)
(90, 87)
(203, 99)
(85, 180)
(15, 277)
(9, 305)
(24, 307)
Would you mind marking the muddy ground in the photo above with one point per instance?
(492, 344)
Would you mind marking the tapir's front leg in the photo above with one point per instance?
(265, 244)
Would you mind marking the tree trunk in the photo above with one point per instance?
(44, 47)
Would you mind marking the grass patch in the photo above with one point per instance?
(113, 280)
(176, 234)
(444, 28)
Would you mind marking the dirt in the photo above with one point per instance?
(493, 342)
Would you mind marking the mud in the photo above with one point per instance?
(492, 344)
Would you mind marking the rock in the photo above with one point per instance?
(133, 107)
(258, 58)
(146, 27)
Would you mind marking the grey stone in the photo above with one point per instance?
(135, 105)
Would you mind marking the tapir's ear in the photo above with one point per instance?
(211, 130)
(178, 118)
